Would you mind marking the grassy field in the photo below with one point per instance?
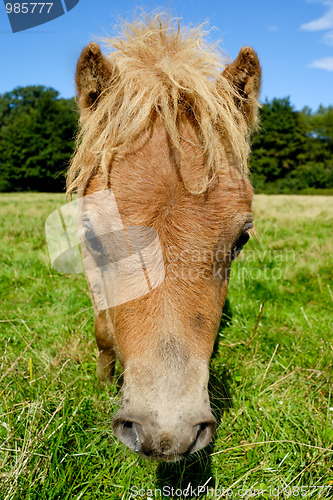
(271, 382)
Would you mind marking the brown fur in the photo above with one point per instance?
(169, 134)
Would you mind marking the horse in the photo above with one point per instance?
(165, 126)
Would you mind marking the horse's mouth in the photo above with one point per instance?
(162, 457)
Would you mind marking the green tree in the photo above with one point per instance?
(37, 131)
(293, 152)
(277, 148)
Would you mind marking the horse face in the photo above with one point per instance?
(164, 338)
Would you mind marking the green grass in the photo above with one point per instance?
(271, 380)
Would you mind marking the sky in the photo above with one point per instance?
(293, 38)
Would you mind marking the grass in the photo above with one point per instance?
(271, 382)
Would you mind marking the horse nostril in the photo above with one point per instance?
(129, 433)
(205, 432)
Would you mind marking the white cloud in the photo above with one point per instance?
(322, 23)
(324, 63)
(272, 28)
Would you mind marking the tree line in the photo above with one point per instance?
(291, 153)
(37, 130)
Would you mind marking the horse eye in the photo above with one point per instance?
(242, 240)
(91, 237)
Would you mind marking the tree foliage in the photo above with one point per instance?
(292, 152)
(37, 131)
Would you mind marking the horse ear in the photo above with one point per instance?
(93, 75)
(244, 74)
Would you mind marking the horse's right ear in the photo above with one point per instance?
(244, 74)
(93, 75)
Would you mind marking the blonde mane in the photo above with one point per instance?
(160, 70)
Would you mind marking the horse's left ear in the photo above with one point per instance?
(244, 73)
(93, 75)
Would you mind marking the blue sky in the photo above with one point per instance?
(293, 38)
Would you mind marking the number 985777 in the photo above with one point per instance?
(28, 8)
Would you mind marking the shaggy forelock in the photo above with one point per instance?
(160, 71)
